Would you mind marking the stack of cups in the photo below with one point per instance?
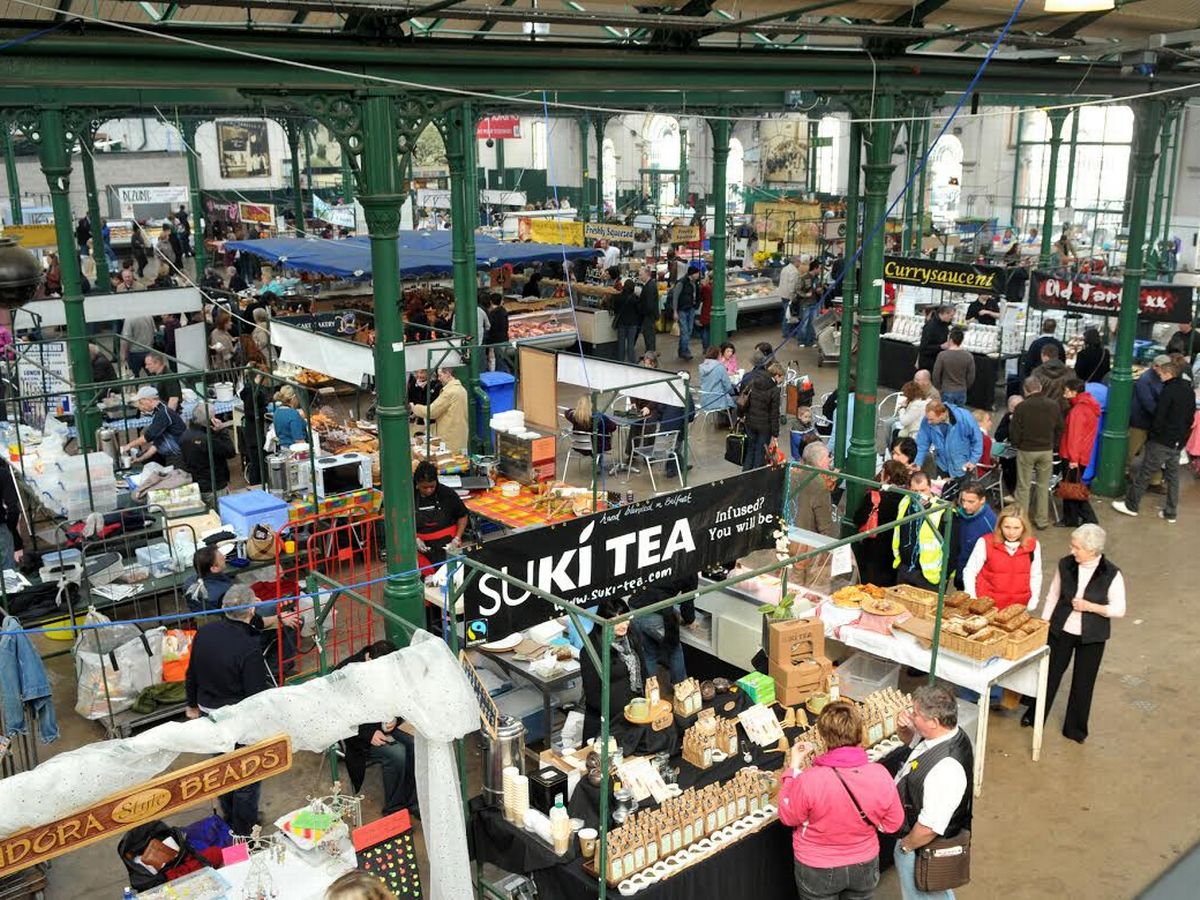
(510, 793)
(520, 798)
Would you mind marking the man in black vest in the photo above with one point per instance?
(936, 782)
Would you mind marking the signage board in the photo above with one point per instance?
(1102, 297)
(964, 278)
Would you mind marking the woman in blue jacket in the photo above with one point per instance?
(716, 390)
(290, 427)
(954, 436)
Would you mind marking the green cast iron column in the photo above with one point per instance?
(10, 170)
(460, 154)
(1172, 184)
(878, 172)
(684, 175)
(585, 195)
(500, 164)
(1110, 475)
(720, 149)
(347, 180)
(1160, 190)
(86, 142)
(918, 228)
(849, 285)
(381, 198)
(197, 203)
(55, 141)
(294, 130)
(598, 124)
(910, 143)
(1057, 117)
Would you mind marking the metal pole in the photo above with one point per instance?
(1056, 117)
(947, 533)
(719, 237)
(606, 638)
(1114, 441)
(599, 124)
(99, 252)
(1160, 186)
(585, 199)
(294, 129)
(910, 142)
(878, 171)
(347, 179)
(55, 142)
(10, 170)
(460, 154)
(1073, 145)
(197, 203)
(501, 180)
(381, 198)
(1174, 170)
(918, 229)
(681, 199)
(849, 283)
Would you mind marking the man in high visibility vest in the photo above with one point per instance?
(917, 545)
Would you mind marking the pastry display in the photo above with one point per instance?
(882, 606)
(850, 597)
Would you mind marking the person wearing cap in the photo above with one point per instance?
(207, 436)
(685, 310)
(161, 437)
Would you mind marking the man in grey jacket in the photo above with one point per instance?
(954, 370)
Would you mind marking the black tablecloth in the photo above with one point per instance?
(759, 866)
(513, 849)
(898, 365)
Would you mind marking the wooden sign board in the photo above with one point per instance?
(489, 714)
(152, 799)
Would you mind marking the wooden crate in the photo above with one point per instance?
(1016, 648)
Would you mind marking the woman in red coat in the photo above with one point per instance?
(1006, 565)
(1075, 448)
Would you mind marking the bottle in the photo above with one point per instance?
(128, 894)
(560, 827)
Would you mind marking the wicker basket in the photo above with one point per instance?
(1018, 647)
(963, 646)
(918, 601)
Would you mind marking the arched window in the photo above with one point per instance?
(735, 175)
(945, 177)
(828, 156)
(661, 135)
(609, 188)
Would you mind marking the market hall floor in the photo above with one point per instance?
(1100, 820)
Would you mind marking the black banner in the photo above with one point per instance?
(963, 278)
(1102, 297)
(622, 551)
(338, 324)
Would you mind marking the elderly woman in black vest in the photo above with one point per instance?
(1087, 591)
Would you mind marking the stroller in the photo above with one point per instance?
(828, 326)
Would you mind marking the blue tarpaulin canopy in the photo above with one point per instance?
(419, 252)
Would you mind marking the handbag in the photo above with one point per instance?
(1073, 489)
(261, 543)
(735, 445)
(944, 863)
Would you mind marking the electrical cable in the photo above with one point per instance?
(531, 101)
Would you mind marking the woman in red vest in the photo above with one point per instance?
(1006, 565)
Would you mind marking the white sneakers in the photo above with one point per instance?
(1119, 506)
(1163, 515)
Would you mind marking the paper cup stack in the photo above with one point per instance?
(520, 798)
(509, 787)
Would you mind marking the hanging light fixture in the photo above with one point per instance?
(20, 274)
(1079, 6)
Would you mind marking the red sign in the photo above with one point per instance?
(1102, 296)
(499, 127)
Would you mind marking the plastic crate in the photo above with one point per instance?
(863, 674)
(241, 512)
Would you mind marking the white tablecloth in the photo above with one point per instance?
(301, 876)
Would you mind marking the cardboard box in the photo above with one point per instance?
(758, 687)
(796, 682)
(792, 640)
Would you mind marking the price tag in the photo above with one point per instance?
(841, 561)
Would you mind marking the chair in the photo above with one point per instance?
(823, 425)
(658, 448)
(887, 414)
(698, 396)
(581, 442)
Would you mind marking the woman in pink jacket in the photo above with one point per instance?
(837, 803)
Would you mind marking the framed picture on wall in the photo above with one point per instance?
(243, 148)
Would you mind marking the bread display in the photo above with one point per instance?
(1009, 613)
(1014, 622)
(973, 624)
(980, 606)
(954, 626)
(990, 633)
(957, 600)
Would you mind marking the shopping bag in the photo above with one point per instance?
(113, 664)
(260, 545)
(735, 446)
(177, 653)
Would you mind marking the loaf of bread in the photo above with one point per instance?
(1031, 626)
(957, 600)
(955, 626)
(980, 605)
(1009, 613)
(974, 624)
(990, 633)
(1013, 624)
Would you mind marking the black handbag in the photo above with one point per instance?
(735, 445)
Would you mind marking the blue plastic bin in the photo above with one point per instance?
(241, 512)
(501, 388)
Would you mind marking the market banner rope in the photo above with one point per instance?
(423, 683)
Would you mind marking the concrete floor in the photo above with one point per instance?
(1100, 820)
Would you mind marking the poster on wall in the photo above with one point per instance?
(784, 145)
(622, 551)
(1102, 296)
(243, 148)
(44, 375)
(259, 213)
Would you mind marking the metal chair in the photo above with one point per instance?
(658, 448)
(823, 425)
(581, 443)
(698, 396)
(887, 415)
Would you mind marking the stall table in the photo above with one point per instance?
(565, 674)
(512, 512)
(898, 364)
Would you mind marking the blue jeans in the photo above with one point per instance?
(240, 808)
(906, 866)
(686, 319)
(958, 398)
(704, 331)
(652, 630)
(856, 882)
(805, 332)
(627, 336)
(756, 449)
(398, 763)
